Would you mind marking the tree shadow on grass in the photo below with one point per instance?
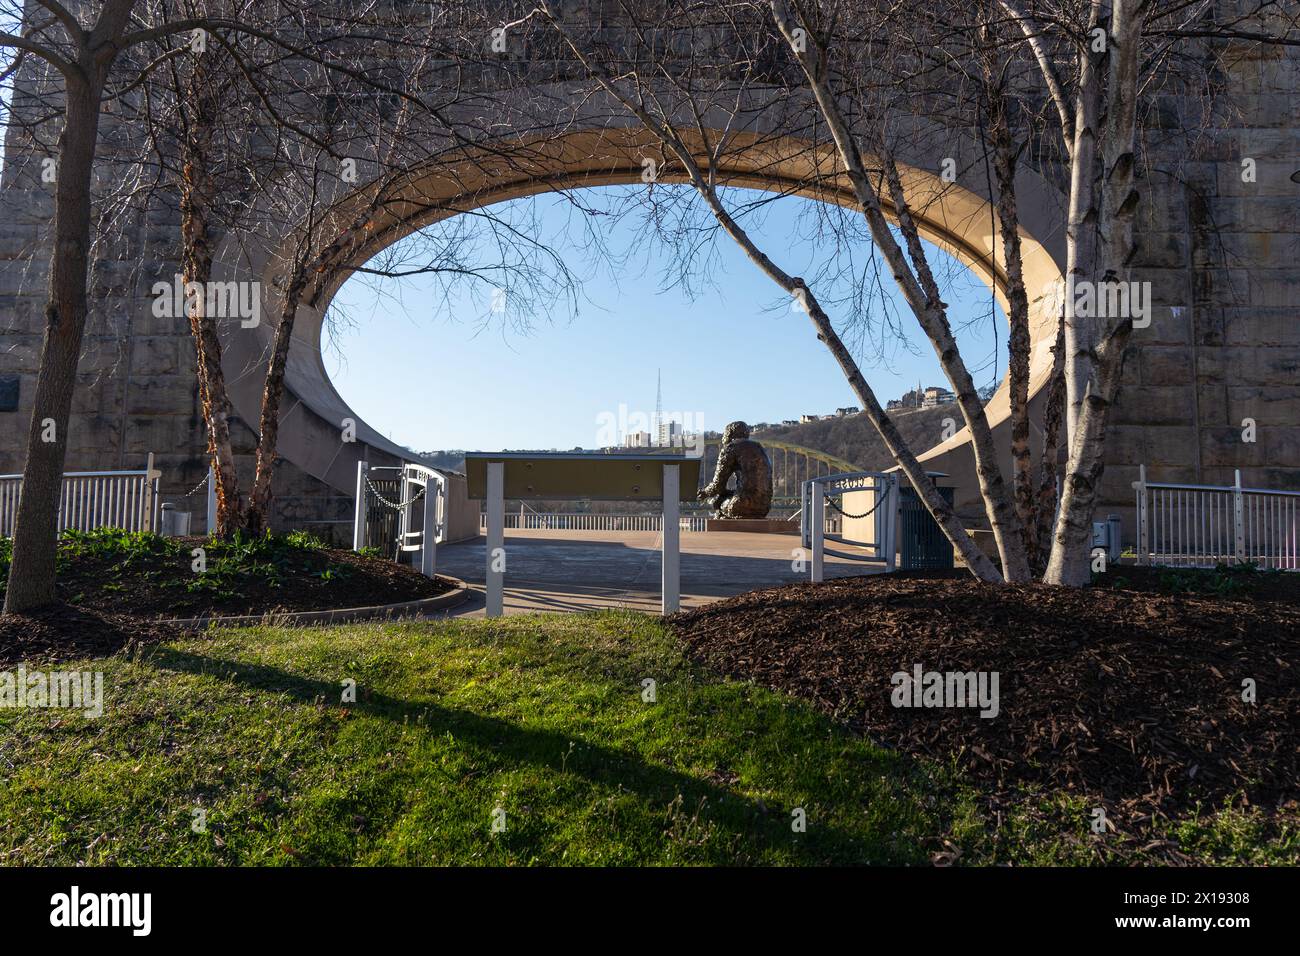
(758, 825)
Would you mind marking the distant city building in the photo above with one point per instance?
(922, 398)
(670, 434)
(636, 440)
(937, 395)
(912, 399)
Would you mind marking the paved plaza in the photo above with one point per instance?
(582, 570)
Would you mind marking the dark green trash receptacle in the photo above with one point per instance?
(922, 543)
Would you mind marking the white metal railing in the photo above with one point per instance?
(416, 519)
(813, 525)
(1205, 525)
(93, 499)
(831, 486)
(570, 521)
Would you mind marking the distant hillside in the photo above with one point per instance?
(854, 439)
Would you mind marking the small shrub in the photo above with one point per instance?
(115, 545)
(304, 541)
(1221, 581)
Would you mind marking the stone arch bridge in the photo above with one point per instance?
(1223, 345)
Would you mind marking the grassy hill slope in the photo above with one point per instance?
(854, 439)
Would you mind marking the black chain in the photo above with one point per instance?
(880, 497)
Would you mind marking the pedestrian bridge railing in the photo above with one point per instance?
(93, 499)
(1206, 525)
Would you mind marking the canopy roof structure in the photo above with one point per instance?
(587, 475)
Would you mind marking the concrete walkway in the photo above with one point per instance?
(582, 570)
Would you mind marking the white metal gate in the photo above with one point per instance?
(816, 492)
(416, 519)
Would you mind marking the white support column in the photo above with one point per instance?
(212, 501)
(429, 537)
(496, 537)
(672, 557)
(359, 515)
(817, 520)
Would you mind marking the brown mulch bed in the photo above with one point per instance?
(107, 605)
(1129, 697)
(64, 633)
(156, 585)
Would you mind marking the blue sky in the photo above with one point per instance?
(434, 368)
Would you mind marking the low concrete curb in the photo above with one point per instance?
(347, 615)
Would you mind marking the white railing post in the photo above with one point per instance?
(359, 516)
(152, 501)
(429, 538)
(496, 537)
(672, 534)
(817, 523)
(893, 493)
(212, 502)
(404, 512)
(1238, 518)
(805, 522)
(1143, 534)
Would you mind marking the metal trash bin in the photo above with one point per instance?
(173, 523)
(922, 544)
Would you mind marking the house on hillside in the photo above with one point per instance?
(937, 395)
(847, 411)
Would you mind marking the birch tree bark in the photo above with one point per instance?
(199, 99)
(1004, 170)
(1100, 250)
(917, 283)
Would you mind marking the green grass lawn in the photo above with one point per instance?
(542, 718)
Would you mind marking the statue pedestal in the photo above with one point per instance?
(753, 525)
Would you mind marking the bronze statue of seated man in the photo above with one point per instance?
(748, 462)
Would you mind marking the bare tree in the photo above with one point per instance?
(264, 52)
(204, 85)
(659, 104)
(83, 57)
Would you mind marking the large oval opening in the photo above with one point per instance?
(588, 318)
